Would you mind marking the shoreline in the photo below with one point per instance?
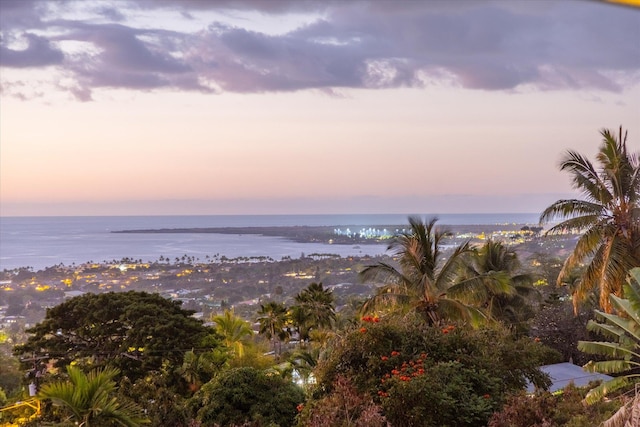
(375, 234)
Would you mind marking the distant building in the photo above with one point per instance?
(563, 374)
(73, 294)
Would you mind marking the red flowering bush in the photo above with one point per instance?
(432, 376)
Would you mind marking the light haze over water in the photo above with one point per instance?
(40, 242)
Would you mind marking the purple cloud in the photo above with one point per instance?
(363, 44)
(39, 53)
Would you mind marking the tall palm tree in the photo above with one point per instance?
(272, 317)
(608, 218)
(424, 280)
(235, 330)
(624, 347)
(90, 398)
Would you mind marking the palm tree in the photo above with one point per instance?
(273, 319)
(89, 398)
(424, 281)
(235, 331)
(314, 309)
(199, 368)
(608, 218)
(300, 319)
(506, 289)
(303, 363)
(624, 331)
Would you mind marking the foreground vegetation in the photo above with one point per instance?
(447, 338)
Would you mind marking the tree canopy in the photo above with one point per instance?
(135, 332)
(247, 396)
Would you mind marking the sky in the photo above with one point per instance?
(167, 107)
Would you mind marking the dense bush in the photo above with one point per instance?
(248, 397)
(547, 410)
(343, 407)
(433, 376)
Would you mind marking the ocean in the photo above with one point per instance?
(40, 242)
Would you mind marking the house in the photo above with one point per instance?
(563, 374)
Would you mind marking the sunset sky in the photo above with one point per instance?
(153, 107)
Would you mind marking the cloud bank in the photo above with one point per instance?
(215, 46)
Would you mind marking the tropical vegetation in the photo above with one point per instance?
(472, 285)
(90, 399)
(136, 332)
(608, 218)
(424, 279)
(623, 349)
(450, 334)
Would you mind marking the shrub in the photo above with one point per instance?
(247, 396)
(547, 410)
(433, 376)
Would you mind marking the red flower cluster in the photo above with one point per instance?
(300, 407)
(404, 372)
(371, 319)
(448, 329)
(363, 330)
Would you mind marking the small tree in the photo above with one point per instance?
(235, 331)
(248, 397)
(89, 399)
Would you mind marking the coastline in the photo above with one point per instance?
(376, 234)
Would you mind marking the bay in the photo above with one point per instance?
(40, 242)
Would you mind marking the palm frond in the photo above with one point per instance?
(627, 325)
(575, 215)
(597, 393)
(585, 177)
(458, 311)
(608, 349)
(449, 270)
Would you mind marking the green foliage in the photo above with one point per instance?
(343, 407)
(199, 368)
(136, 332)
(507, 289)
(624, 348)
(608, 219)
(235, 331)
(247, 396)
(316, 305)
(89, 399)
(158, 395)
(446, 394)
(548, 410)
(424, 375)
(272, 317)
(10, 375)
(439, 289)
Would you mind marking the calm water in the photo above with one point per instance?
(40, 242)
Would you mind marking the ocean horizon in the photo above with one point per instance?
(43, 241)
